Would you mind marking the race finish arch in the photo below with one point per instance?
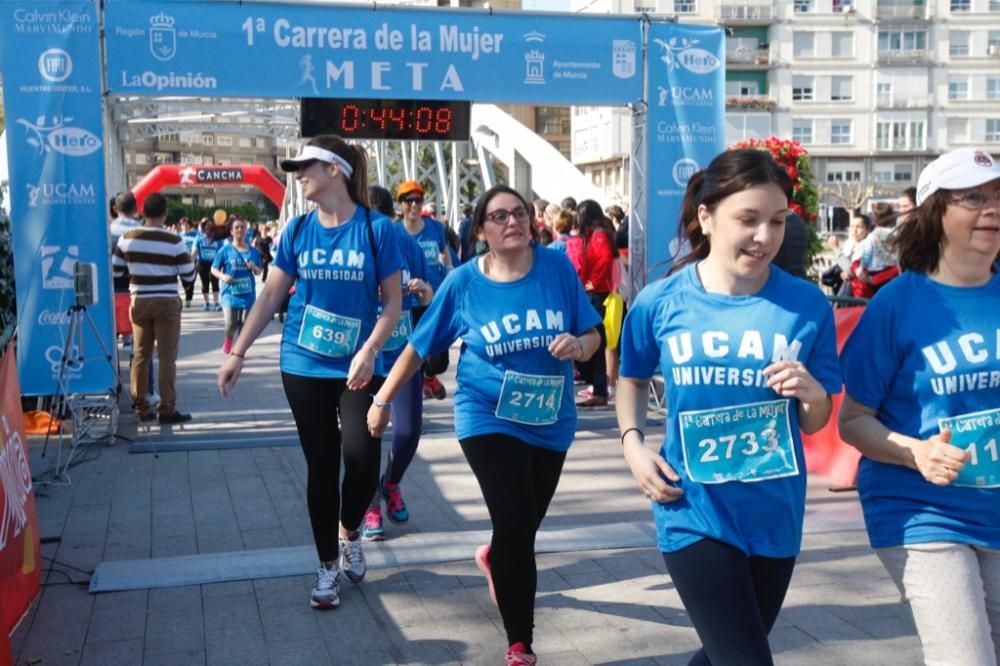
(671, 77)
(191, 175)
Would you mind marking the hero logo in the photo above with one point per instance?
(55, 65)
(74, 362)
(684, 168)
(58, 137)
(684, 53)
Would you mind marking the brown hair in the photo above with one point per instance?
(730, 172)
(563, 222)
(918, 242)
(357, 184)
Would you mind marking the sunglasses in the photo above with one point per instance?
(413, 201)
(976, 200)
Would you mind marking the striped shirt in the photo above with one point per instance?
(155, 258)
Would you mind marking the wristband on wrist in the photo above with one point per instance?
(237, 355)
(379, 403)
(579, 343)
(642, 435)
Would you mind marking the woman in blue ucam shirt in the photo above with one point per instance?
(206, 245)
(235, 266)
(523, 317)
(408, 405)
(922, 374)
(339, 256)
(748, 358)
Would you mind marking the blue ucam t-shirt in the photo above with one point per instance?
(414, 266)
(189, 237)
(924, 351)
(242, 291)
(508, 381)
(734, 442)
(432, 241)
(207, 248)
(334, 307)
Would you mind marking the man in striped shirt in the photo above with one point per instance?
(155, 258)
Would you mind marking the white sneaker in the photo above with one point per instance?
(352, 559)
(326, 592)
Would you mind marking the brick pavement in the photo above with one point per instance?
(594, 607)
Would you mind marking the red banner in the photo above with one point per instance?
(19, 548)
(826, 453)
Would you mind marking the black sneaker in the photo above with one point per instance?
(146, 417)
(175, 417)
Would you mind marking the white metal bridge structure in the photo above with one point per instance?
(534, 167)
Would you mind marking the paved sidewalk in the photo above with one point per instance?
(594, 606)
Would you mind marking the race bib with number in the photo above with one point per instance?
(746, 443)
(241, 286)
(328, 334)
(530, 399)
(401, 333)
(977, 433)
(432, 253)
(206, 254)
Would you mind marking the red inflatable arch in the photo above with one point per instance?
(192, 175)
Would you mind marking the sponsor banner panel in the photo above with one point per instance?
(686, 125)
(19, 544)
(157, 48)
(52, 101)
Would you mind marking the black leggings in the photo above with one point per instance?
(732, 599)
(315, 402)
(518, 481)
(205, 273)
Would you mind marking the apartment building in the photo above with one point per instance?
(873, 88)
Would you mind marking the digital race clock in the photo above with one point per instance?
(413, 120)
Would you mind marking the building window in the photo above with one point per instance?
(841, 88)
(993, 88)
(958, 130)
(902, 40)
(841, 44)
(842, 174)
(958, 89)
(141, 158)
(961, 5)
(993, 129)
(552, 120)
(900, 135)
(802, 6)
(207, 140)
(958, 43)
(840, 132)
(804, 44)
(842, 5)
(742, 88)
(893, 172)
(883, 91)
(245, 142)
(993, 42)
(685, 7)
(802, 88)
(741, 126)
(802, 131)
(223, 141)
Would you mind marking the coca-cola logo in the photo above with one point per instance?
(53, 318)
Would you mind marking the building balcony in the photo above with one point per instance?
(903, 57)
(907, 12)
(745, 13)
(900, 146)
(749, 58)
(750, 103)
(904, 101)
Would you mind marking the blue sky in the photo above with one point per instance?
(546, 5)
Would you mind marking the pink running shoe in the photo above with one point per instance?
(227, 346)
(371, 526)
(518, 655)
(483, 562)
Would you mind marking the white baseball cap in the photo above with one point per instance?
(957, 170)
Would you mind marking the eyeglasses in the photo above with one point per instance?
(501, 216)
(413, 201)
(976, 199)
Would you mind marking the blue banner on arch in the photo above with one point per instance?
(52, 99)
(268, 50)
(685, 126)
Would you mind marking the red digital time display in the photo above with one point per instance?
(401, 120)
